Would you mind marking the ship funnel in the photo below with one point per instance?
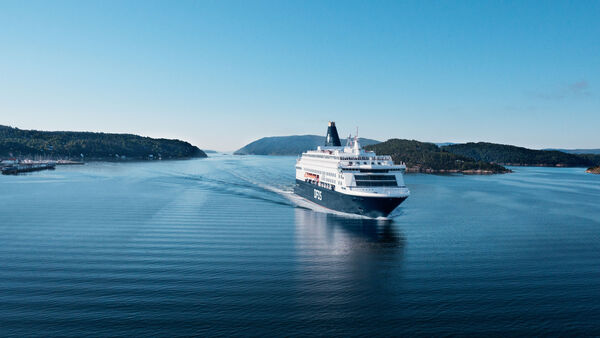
(332, 139)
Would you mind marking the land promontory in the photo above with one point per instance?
(594, 170)
(16, 142)
(518, 156)
(426, 157)
(287, 145)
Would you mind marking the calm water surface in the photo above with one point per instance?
(219, 246)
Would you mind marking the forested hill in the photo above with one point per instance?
(429, 158)
(288, 145)
(512, 155)
(94, 146)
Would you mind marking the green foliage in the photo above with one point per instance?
(92, 145)
(511, 155)
(428, 156)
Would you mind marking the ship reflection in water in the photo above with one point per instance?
(341, 233)
(345, 263)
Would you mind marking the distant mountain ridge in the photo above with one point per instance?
(288, 145)
(93, 146)
(577, 151)
(480, 157)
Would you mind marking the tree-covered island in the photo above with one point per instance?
(16, 142)
(429, 158)
(518, 156)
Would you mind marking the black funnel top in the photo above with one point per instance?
(332, 139)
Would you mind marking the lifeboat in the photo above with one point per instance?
(311, 176)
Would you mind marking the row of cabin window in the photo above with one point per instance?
(376, 158)
(376, 184)
(347, 158)
(375, 177)
(371, 170)
(372, 163)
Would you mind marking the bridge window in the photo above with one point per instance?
(375, 180)
(374, 170)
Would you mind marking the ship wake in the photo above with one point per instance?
(248, 177)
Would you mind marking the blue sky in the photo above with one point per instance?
(220, 74)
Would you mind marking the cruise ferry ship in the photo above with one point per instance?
(350, 179)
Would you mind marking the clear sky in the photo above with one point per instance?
(220, 74)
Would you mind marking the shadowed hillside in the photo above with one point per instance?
(519, 156)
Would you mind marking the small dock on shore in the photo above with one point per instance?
(14, 169)
(15, 166)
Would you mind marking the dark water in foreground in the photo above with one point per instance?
(216, 246)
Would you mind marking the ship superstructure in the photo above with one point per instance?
(349, 178)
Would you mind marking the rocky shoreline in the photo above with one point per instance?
(415, 170)
(593, 170)
(535, 165)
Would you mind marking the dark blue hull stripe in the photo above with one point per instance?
(366, 206)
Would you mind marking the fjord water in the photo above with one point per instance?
(219, 246)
